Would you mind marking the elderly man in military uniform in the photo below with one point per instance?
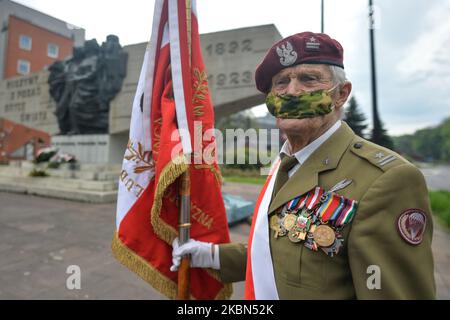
(339, 217)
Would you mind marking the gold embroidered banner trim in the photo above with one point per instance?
(152, 276)
(213, 169)
(171, 172)
(143, 269)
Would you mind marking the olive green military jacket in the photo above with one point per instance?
(376, 261)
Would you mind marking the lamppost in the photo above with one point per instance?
(323, 18)
(376, 133)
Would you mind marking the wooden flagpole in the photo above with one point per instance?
(185, 196)
(184, 228)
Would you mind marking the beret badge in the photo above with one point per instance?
(300, 48)
(287, 54)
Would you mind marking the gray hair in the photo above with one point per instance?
(338, 77)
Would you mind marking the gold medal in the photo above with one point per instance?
(294, 236)
(324, 236)
(274, 225)
(289, 221)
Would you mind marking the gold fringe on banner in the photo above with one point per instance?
(152, 276)
(143, 269)
(213, 169)
(169, 175)
(165, 231)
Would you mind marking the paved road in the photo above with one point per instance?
(437, 177)
(41, 237)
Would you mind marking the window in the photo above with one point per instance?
(23, 67)
(52, 50)
(25, 42)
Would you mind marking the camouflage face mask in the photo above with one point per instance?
(306, 105)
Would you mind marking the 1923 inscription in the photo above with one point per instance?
(233, 79)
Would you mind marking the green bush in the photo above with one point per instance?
(38, 173)
(230, 170)
(440, 205)
(246, 154)
(54, 165)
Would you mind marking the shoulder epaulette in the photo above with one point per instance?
(379, 156)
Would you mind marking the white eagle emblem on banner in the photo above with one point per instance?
(287, 54)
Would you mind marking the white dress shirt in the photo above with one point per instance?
(307, 151)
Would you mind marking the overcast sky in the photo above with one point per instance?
(412, 42)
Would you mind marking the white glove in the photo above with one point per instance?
(203, 254)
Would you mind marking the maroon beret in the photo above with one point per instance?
(305, 47)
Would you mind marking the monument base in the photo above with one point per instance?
(101, 148)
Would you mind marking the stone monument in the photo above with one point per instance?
(91, 107)
(84, 85)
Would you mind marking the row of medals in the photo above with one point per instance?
(304, 225)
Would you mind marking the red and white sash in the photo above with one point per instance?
(260, 281)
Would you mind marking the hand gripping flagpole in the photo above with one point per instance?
(185, 207)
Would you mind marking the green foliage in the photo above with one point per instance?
(54, 165)
(440, 205)
(384, 139)
(244, 121)
(248, 180)
(242, 176)
(357, 121)
(355, 118)
(241, 120)
(38, 173)
(430, 144)
(236, 156)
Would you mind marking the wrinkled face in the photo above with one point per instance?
(300, 79)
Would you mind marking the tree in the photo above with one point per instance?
(445, 138)
(384, 139)
(244, 120)
(355, 118)
(428, 144)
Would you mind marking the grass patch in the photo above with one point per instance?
(440, 205)
(250, 176)
(249, 180)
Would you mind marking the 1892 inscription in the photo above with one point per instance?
(233, 47)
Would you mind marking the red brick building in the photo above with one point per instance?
(31, 48)
(31, 40)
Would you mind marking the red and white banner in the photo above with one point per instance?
(260, 281)
(172, 94)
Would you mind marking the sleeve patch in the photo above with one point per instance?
(411, 226)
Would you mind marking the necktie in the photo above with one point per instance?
(287, 163)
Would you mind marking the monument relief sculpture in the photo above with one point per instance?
(84, 85)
